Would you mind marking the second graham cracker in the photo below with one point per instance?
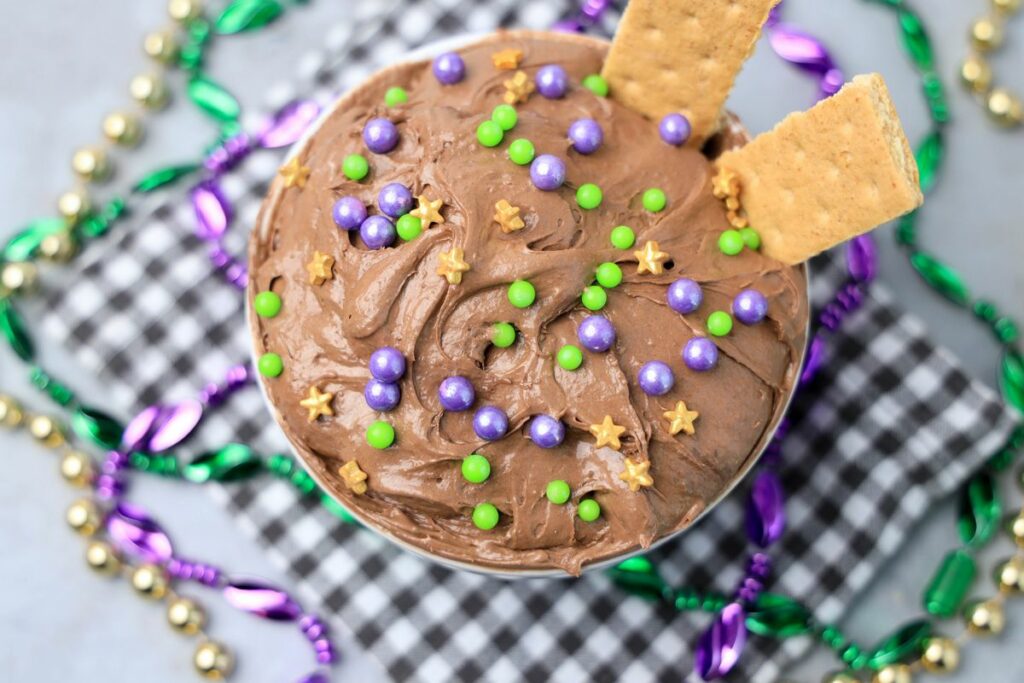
(828, 174)
(683, 56)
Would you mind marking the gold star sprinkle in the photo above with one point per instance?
(636, 474)
(294, 173)
(651, 259)
(607, 433)
(507, 216)
(452, 266)
(725, 184)
(354, 477)
(507, 59)
(428, 211)
(320, 268)
(318, 403)
(518, 88)
(680, 419)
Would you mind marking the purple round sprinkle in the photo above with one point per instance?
(387, 364)
(546, 431)
(586, 135)
(377, 232)
(684, 296)
(382, 396)
(395, 200)
(490, 423)
(675, 129)
(750, 306)
(596, 333)
(547, 172)
(552, 81)
(349, 213)
(380, 135)
(700, 354)
(656, 378)
(456, 393)
(449, 68)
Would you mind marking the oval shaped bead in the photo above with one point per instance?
(163, 177)
(862, 258)
(230, 463)
(212, 210)
(720, 646)
(13, 329)
(247, 15)
(174, 425)
(929, 159)
(96, 426)
(638, 576)
(24, 245)
(766, 513)
(778, 616)
(288, 125)
(135, 533)
(903, 645)
(979, 510)
(948, 587)
(263, 600)
(137, 431)
(1011, 379)
(915, 39)
(941, 278)
(213, 99)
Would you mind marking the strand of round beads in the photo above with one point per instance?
(987, 37)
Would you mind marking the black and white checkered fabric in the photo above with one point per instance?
(889, 426)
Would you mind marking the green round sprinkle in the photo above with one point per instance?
(521, 294)
(521, 151)
(505, 116)
(409, 227)
(596, 84)
(654, 200)
(395, 96)
(267, 304)
(355, 167)
(730, 242)
(589, 196)
(594, 297)
(380, 434)
(589, 510)
(623, 237)
(570, 357)
(719, 323)
(485, 516)
(503, 335)
(476, 468)
(558, 492)
(751, 238)
(270, 365)
(489, 134)
(609, 275)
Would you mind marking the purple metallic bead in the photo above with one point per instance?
(175, 424)
(750, 306)
(394, 200)
(382, 396)
(719, 648)
(546, 431)
(136, 432)
(380, 135)
(568, 26)
(315, 631)
(378, 232)
(490, 423)
(288, 124)
(263, 600)
(700, 354)
(593, 9)
(449, 68)
(456, 393)
(766, 511)
(862, 258)
(596, 333)
(656, 378)
(586, 135)
(547, 172)
(348, 213)
(212, 210)
(315, 677)
(387, 364)
(675, 129)
(684, 296)
(135, 533)
(552, 81)
(814, 360)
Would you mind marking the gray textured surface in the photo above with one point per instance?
(67, 64)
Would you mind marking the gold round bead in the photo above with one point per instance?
(941, 655)
(11, 414)
(1016, 529)
(185, 616)
(44, 430)
(1005, 107)
(102, 559)
(76, 468)
(150, 581)
(1006, 6)
(148, 90)
(83, 517)
(985, 617)
(19, 277)
(184, 10)
(73, 204)
(976, 74)
(90, 164)
(986, 34)
(59, 247)
(213, 661)
(1010, 576)
(840, 677)
(894, 673)
(160, 46)
(122, 128)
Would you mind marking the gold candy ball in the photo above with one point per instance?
(894, 673)
(150, 581)
(185, 616)
(1015, 527)
(985, 617)
(19, 277)
(148, 90)
(44, 430)
(161, 46)
(213, 661)
(976, 74)
(11, 414)
(83, 517)
(90, 164)
(1006, 6)
(183, 10)
(941, 655)
(840, 677)
(73, 204)
(122, 128)
(1010, 576)
(986, 34)
(102, 559)
(1005, 107)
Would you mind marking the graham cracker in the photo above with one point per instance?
(683, 56)
(828, 174)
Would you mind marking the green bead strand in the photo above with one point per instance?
(57, 392)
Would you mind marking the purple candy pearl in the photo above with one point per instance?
(456, 393)
(547, 172)
(380, 136)
(349, 213)
(656, 378)
(552, 81)
(675, 129)
(586, 135)
(700, 354)
(382, 396)
(395, 200)
(750, 306)
(377, 232)
(449, 68)
(490, 423)
(546, 431)
(596, 333)
(684, 296)
(387, 364)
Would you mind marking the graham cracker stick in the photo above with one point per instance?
(683, 56)
(827, 174)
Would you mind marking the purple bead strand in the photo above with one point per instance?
(199, 572)
(214, 394)
(110, 484)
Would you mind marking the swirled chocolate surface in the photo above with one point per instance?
(395, 297)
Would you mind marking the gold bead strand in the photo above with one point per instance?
(987, 35)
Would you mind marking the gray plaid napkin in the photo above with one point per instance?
(890, 425)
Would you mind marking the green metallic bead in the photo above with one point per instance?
(521, 294)
(654, 200)
(639, 576)
(570, 357)
(303, 482)
(395, 96)
(247, 15)
(476, 469)
(904, 645)
(485, 516)
(409, 227)
(623, 237)
(489, 134)
(948, 587)
(930, 152)
(232, 462)
(719, 324)
(213, 99)
(13, 329)
(163, 177)
(906, 230)
(941, 278)
(731, 242)
(985, 310)
(751, 238)
(589, 510)
(355, 167)
(270, 365)
(979, 510)
(608, 275)
(380, 434)
(594, 297)
(521, 151)
(589, 196)
(1011, 379)
(1006, 330)
(24, 245)
(778, 616)
(267, 304)
(558, 492)
(596, 84)
(915, 39)
(503, 335)
(96, 426)
(505, 116)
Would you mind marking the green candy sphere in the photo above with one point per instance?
(505, 116)
(489, 134)
(503, 335)
(589, 510)
(476, 468)
(485, 516)
(594, 297)
(730, 242)
(719, 323)
(521, 294)
(558, 492)
(409, 227)
(521, 151)
(355, 167)
(380, 434)
(609, 275)
(751, 238)
(270, 365)
(267, 304)
(570, 357)
(654, 200)
(589, 196)
(395, 96)
(596, 84)
(623, 237)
